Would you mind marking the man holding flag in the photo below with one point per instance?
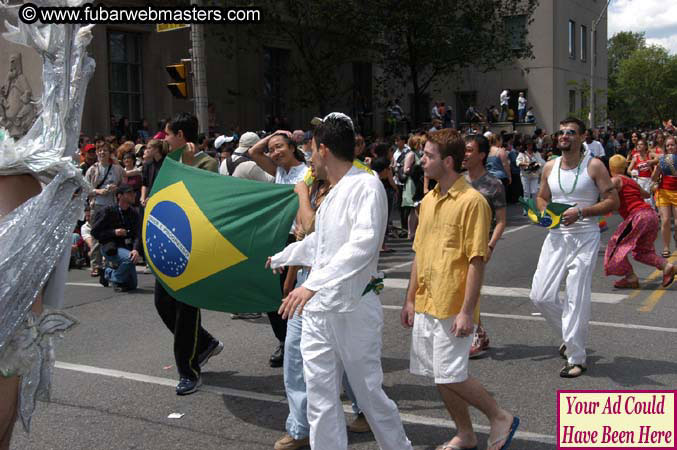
(342, 314)
(193, 345)
(569, 251)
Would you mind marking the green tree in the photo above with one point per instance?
(425, 42)
(647, 79)
(619, 48)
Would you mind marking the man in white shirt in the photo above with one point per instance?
(503, 100)
(521, 107)
(342, 314)
(592, 146)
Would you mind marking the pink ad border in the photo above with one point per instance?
(617, 391)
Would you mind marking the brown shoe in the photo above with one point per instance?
(359, 425)
(287, 442)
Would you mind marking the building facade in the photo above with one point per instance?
(556, 81)
(249, 86)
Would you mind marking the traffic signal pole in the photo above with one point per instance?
(199, 74)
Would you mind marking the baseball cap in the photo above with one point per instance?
(89, 148)
(123, 188)
(247, 141)
(222, 140)
(138, 148)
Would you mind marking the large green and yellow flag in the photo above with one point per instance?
(207, 237)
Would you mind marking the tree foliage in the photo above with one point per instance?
(425, 42)
(415, 44)
(647, 80)
(619, 48)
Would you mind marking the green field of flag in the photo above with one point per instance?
(206, 237)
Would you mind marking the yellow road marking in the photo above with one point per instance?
(653, 299)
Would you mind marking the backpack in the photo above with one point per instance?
(399, 167)
(232, 165)
(417, 177)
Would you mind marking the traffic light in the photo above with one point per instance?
(179, 87)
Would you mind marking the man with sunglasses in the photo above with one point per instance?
(570, 250)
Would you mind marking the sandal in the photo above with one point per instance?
(95, 273)
(666, 254)
(508, 437)
(668, 278)
(572, 370)
(624, 283)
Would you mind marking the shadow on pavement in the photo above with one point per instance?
(513, 352)
(267, 384)
(627, 371)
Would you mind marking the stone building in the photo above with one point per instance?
(247, 86)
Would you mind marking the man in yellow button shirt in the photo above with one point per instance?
(442, 301)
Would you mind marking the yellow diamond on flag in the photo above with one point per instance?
(181, 245)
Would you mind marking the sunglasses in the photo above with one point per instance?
(568, 132)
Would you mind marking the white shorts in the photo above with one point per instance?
(436, 352)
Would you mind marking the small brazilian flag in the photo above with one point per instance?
(206, 237)
(550, 218)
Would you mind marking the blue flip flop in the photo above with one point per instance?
(511, 433)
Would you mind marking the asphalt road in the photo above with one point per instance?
(115, 376)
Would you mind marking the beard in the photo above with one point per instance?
(564, 146)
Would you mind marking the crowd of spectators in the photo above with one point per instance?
(109, 162)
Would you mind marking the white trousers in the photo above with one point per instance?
(573, 255)
(332, 343)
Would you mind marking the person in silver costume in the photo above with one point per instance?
(42, 194)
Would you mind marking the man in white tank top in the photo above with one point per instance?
(570, 251)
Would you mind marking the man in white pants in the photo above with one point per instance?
(579, 180)
(342, 314)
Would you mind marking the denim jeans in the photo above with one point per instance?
(295, 386)
(125, 273)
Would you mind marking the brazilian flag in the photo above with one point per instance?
(550, 218)
(206, 237)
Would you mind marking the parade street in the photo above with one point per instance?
(113, 385)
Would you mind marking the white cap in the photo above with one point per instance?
(222, 140)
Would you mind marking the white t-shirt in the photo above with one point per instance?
(595, 148)
(522, 103)
(504, 98)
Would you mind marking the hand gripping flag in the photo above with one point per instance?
(550, 218)
(206, 237)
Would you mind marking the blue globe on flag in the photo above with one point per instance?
(168, 238)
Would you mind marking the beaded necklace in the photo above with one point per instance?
(559, 176)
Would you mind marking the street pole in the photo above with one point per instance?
(199, 74)
(592, 64)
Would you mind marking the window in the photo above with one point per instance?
(125, 76)
(572, 39)
(594, 47)
(585, 100)
(572, 101)
(584, 43)
(275, 83)
(516, 30)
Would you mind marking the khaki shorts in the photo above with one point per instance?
(436, 352)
